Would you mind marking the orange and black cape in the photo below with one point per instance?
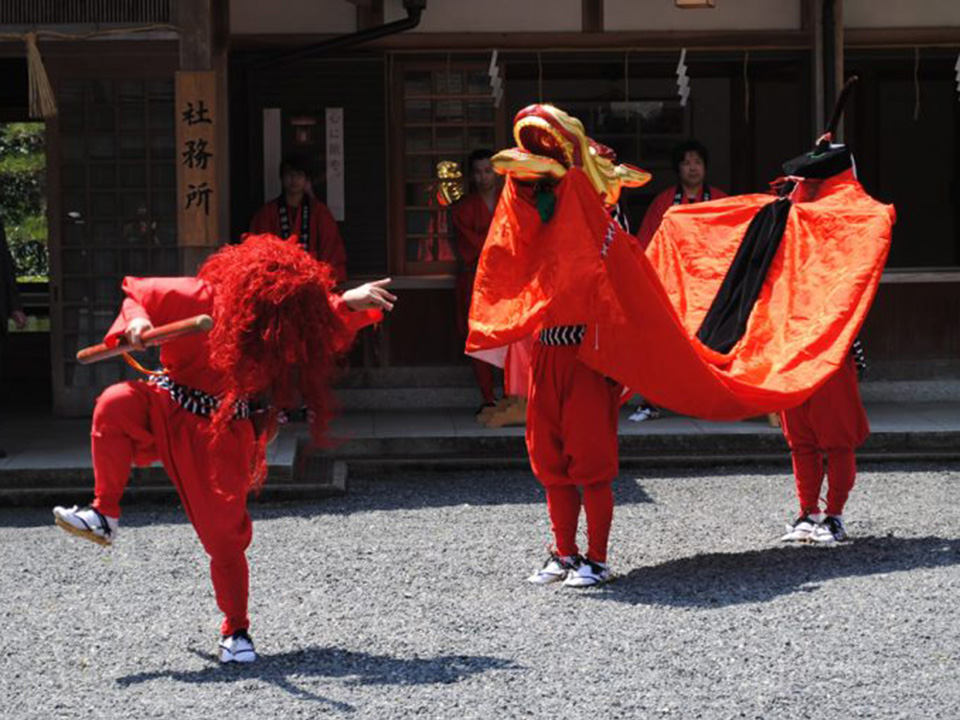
(740, 306)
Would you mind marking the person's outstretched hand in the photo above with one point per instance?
(370, 296)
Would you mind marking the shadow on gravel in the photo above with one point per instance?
(355, 668)
(715, 580)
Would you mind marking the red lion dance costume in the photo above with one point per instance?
(278, 330)
(740, 307)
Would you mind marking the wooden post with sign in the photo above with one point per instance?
(198, 152)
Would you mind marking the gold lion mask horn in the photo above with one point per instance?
(550, 142)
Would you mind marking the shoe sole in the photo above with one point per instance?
(582, 586)
(85, 534)
(535, 580)
(246, 659)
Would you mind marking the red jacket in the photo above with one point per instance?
(163, 300)
(471, 218)
(325, 242)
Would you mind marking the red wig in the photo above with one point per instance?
(276, 333)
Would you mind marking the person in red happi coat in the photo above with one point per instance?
(296, 212)
(471, 221)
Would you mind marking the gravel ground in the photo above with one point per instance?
(406, 599)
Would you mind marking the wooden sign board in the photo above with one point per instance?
(197, 154)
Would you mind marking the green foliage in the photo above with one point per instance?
(23, 207)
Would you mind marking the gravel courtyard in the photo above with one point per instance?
(407, 598)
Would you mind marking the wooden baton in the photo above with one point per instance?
(154, 336)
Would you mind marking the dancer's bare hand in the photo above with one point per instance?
(19, 319)
(134, 331)
(370, 296)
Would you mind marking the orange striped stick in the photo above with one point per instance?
(154, 336)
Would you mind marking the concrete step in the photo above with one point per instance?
(453, 386)
(49, 460)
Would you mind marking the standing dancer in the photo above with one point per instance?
(572, 410)
(278, 329)
(831, 423)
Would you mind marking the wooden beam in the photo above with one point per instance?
(592, 15)
(636, 41)
(902, 37)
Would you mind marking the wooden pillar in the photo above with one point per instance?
(204, 37)
(592, 13)
(369, 13)
(836, 63)
(823, 20)
(832, 31)
(813, 24)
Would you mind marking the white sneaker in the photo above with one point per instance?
(88, 523)
(644, 413)
(237, 648)
(831, 530)
(802, 530)
(587, 574)
(554, 569)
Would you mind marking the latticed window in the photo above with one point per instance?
(117, 209)
(444, 111)
(71, 12)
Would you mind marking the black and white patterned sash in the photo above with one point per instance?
(562, 335)
(859, 357)
(286, 228)
(678, 195)
(196, 401)
(620, 217)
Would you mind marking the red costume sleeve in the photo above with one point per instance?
(472, 219)
(159, 300)
(266, 220)
(354, 320)
(653, 216)
(326, 236)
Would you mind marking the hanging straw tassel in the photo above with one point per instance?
(43, 104)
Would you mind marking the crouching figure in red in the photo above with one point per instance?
(209, 414)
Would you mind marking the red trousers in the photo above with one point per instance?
(572, 420)
(831, 422)
(563, 504)
(136, 424)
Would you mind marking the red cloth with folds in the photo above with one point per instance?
(642, 311)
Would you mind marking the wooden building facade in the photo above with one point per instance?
(410, 80)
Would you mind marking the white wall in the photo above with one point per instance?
(257, 17)
(901, 13)
(339, 16)
(727, 15)
(494, 15)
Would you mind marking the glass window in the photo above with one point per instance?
(447, 112)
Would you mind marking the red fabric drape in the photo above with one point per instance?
(642, 311)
